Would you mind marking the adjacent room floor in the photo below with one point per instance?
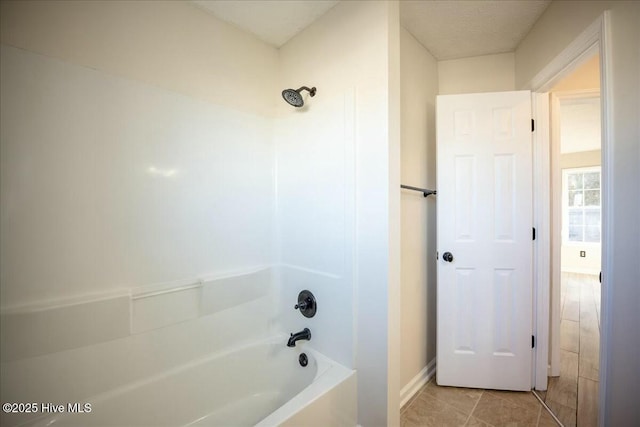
(573, 396)
(452, 406)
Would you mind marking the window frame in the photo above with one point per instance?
(565, 204)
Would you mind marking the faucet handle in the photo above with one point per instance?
(306, 304)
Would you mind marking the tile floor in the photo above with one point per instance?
(450, 406)
(573, 396)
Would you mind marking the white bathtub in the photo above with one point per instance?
(262, 384)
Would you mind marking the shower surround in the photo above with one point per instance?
(161, 205)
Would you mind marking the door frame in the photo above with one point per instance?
(595, 38)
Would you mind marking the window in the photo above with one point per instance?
(581, 205)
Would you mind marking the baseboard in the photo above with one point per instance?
(588, 271)
(417, 382)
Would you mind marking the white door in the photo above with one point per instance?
(485, 245)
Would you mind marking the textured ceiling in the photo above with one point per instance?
(458, 29)
(274, 21)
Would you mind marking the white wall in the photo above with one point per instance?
(585, 77)
(580, 159)
(488, 73)
(558, 26)
(561, 23)
(572, 262)
(333, 169)
(418, 299)
(580, 128)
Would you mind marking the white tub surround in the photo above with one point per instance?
(110, 184)
(224, 365)
(67, 351)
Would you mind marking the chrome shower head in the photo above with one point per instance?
(293, 97)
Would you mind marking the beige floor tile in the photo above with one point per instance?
(571, 306)
(414, 397)
(500, 412)
(597, 291)
(573, 396)
(568, 364)
(521, 398)
(590, 347)
(563, 390)
(564, 413)
(474, 422)
(542, 394)
(546, 420)
(588, 304)
(571, 310)
(589, 369)
(427, 411)
(589, 329)
(587, 402)
(463, 399)
(589, 343)
(570, 335)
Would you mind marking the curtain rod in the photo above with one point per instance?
(424, 191)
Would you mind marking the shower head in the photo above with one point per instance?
(294, 98)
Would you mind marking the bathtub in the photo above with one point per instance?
(261, 384)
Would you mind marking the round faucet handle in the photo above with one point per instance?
(306, 304)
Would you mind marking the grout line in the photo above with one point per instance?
(577, 392)
(474, 408)
(446, 402)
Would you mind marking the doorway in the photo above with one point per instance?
(573, 384)
(593, 40)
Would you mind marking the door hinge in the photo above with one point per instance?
(534, 233)
(533, 341)
(533, 125)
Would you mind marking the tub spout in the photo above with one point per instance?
(304, 334)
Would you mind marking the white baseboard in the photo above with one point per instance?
(417, 382)
(589, 271)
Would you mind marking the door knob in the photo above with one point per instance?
(447, 256)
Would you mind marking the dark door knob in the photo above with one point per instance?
(447, 256)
